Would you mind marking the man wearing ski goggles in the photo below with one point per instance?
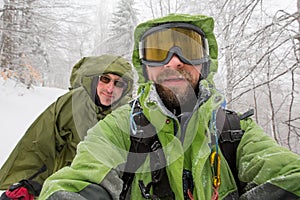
(175, 57)
(169, 132)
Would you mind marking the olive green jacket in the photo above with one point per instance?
(53, 137)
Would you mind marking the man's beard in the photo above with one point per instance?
(177, 99)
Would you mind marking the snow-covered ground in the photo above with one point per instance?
(19, 107)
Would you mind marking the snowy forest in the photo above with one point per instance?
(258, 48)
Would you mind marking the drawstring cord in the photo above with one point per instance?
(215, 160)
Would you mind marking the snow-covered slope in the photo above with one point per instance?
(19, 107)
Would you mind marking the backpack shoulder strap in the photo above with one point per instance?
(144, 141)
(228, 124)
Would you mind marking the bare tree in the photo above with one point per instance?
(160, 8)
(259, 56)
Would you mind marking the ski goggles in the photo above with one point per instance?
(106, 79)
(158, 44)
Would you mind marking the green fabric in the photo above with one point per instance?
(261, 159)
(205, 23)
(53, 137)
(107, 143)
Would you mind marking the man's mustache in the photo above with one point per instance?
(167, 73)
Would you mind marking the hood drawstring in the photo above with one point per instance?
(215, 160)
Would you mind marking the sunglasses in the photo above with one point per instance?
(117, 83)
(160, 43)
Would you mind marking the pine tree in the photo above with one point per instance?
(122, 27)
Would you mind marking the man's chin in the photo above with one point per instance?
(177, 90)
(177, 95)
(106, 102)
(173, 84)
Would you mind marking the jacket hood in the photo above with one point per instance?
(205, 23)
(89, 68)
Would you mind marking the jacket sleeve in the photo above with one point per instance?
(95, 165)
(31, 151)
(92, 191)
(269, 170)
(50, 141)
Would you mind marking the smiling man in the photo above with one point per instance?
(110, 88)
(164, 144)
(99, 84)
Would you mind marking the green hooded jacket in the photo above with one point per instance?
(269, 170)
(52, 138)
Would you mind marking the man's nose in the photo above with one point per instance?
(110, 86)
(174, 63)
